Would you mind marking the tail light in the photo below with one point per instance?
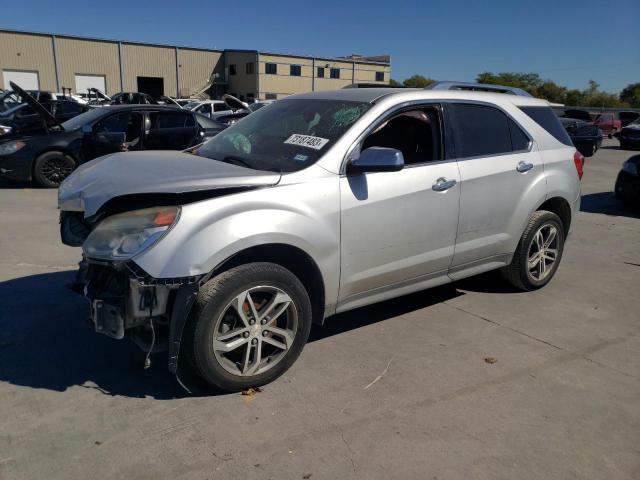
(578, 159)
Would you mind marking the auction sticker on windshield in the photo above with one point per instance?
(307, 141)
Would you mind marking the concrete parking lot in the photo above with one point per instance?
(561, 400)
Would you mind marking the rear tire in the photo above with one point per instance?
(231, 325)
(538, 253)
(51, 168)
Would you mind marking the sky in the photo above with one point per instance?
(567, 41)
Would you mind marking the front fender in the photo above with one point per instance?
(304, 215)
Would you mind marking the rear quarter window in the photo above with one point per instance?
(547, 119)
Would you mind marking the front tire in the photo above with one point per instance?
(51, 168)
(538, 253)
(248, 325)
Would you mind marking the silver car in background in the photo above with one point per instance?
(321, 203)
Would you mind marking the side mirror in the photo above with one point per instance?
(87, 129)
(377, 159)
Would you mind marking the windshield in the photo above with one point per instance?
(288, 136)
(190, 105)
(78, 121)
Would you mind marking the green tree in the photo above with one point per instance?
(550, 91)
(592, 96)
(573, 98)
(525, 81)
(394, 83)
(417, 81)
(631, 95)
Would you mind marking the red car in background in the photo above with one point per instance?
(607, 122)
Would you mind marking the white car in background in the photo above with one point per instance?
(207, 107)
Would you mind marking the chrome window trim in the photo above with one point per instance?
(497, 107)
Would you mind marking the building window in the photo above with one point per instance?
(379, 76)
(250, 68)
(271, 68)
(232, 69)
(320, 72)
(270, 96)
(335, 73)
(295, 70)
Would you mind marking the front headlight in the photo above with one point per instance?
(122, 236)
(630, 167)
(11, 147)
(4, 130)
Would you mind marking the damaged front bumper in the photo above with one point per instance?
(125, 301)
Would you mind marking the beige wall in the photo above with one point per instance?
(34, 52)
(242, 83)
(284, 84)
(19, 51)
(148, 61)
(196, 67)
(88, 57)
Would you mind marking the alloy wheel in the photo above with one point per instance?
(255, 331)
(543, 252)
(56, 169)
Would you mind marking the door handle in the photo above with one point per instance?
(442, 184)
(524, 167)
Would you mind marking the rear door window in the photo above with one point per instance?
(162, 120)
(480, 130)
(548, 120)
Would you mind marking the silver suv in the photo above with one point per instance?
(317, 204)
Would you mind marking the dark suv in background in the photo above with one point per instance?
(17, 116)
(50, 157)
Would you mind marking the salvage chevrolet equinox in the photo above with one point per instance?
(226, 254)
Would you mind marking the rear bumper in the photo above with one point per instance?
(628, 186)
(15, 167)
(633, 142)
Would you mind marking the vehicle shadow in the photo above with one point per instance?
(46, 342)
(6, 184)
(379, 312)
(607, 204)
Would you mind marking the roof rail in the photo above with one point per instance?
(478, 87)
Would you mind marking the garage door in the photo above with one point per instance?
(83, 82)
(25, 80)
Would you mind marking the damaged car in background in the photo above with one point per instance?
(18, 116)
(227, 253)
(50, 157)
(585, 136)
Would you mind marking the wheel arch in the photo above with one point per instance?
(561, 207)
(294, 259)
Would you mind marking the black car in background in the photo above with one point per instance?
(18, 117)
(627, 187)
(50, 157)
(585, 136)
(629, 136)
(133, 98)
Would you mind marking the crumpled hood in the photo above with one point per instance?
(98, 181)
